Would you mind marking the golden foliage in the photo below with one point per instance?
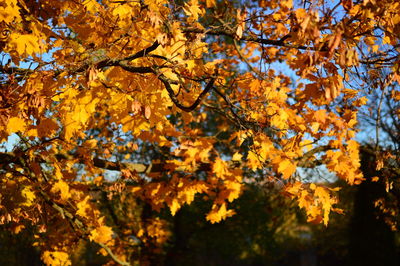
(187, 101)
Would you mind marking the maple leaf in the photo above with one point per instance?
(83, 206)
(29, 196)
(174, 206)
(320, 116)
(237, 157)
(16, 124)
(253, 160)
(157, 91)
(122, 10)
(219, 213)
(91, 5)
(210, 3)
(286, 167)
(193, 10)
(157, 229)
(326, 200)
(102, 234)
(56, 258)
(63, 188)
(220, 168)
(375, 179)
(294, 188)
(286, 4)
(240, 16)
(47, 127)
(24, 44)
(10, 12)
(233, 190)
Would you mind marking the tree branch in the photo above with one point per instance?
(305, 162)
(171, 93)
(143, 52)
(219, 32)
(142, 168)
(113, 256)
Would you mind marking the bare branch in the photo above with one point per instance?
(171, 93)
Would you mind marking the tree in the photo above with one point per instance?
(184, 99)
(368, 233)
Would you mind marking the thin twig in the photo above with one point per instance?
(113, 256)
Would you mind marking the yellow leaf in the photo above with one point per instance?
(29, 195)
(326, 200)
(63, 188)
(375, 179)
(55, 258)
(191, 64)
(91, 6)
(300, 13)
(174, 206)
(294, 188)
(337, 210)
(83, 206)
(320, 116)
(239, 32)
(147, 112)
(32, 132)
(102, 234)
(386, 40)
(303, 199)
(315, 127)
(379, 164)
(286, 167)
(92, 143)
(220, 168)
(9, 12)
(218, 214)
(15, 124)
(193, 10)
(122, 10)
(210, 3)
(24, 44)
(253, 161)
(234, 189)
(286, 4)
(237, 157)
(157, 230)
(18, 228)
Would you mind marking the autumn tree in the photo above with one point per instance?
(182, 99)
